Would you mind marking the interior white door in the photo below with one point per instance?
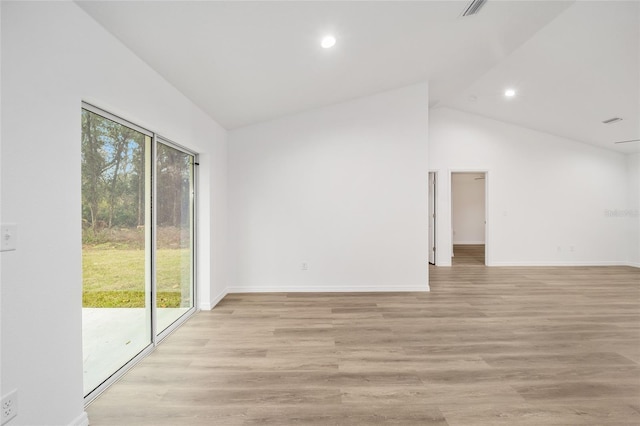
(432, 218)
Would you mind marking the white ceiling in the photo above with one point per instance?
(581, 69)
(574, 65)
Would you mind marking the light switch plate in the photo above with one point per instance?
(8, 237)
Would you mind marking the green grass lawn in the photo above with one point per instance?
(116, 277)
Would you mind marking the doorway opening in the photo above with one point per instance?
(468, 218)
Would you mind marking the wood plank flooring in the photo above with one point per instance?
(468, 255)
(487, 346)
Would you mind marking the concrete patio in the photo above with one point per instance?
(112, 336)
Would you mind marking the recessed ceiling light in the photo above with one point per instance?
(509, 93)
(328, 41)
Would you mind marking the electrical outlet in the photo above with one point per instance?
(9, 406)
(8, 236)
(305, 266)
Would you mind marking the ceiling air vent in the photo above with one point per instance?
(474, 7)
(612, 120)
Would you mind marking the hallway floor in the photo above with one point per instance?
(468, 255)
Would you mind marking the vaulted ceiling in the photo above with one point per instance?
(573, 64)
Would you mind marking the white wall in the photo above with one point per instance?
(53, 57)
(343, 188)
(546, 194)
(467, 204)
(632, 213)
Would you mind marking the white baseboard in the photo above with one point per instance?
(468, 243)
(81, 420)
(212, 304)
(558, 263)
(319, 289)
(323, 289)
(634, 264)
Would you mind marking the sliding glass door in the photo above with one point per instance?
(137, 242)
(174, 236)
(116, 209)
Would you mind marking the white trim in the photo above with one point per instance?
(560, 263)
(325, 289)
(634, 264)
(212, 304)
(81, 420)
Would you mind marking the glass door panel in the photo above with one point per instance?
(116, 235)
(174, 234)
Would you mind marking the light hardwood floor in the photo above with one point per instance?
(468, 255)
(487, 346)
